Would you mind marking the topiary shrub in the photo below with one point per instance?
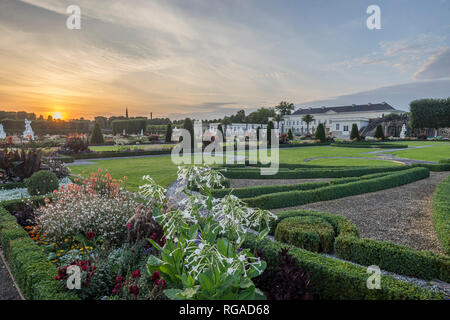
(307, 232)
(97, 136)
(42, 182)
(354, 135)
(379, 134)
(320, 133)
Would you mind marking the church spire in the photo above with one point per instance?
(126, 112)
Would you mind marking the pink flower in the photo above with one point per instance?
(155, 275)
(136, 274)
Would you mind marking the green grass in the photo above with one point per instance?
(353, 162)
(420, 143)
(429, 154)
(163, 171)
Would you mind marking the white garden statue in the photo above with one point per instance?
(2, 132)
(28, 133)
(403, 133)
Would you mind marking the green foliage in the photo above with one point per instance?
(386, 255)
(379, 134)
(97, 136)
(42, 182)
(308, 119)
(285, 108)
(270, 127)
(307, 232)
(354, 135)
(361, 144)
(189, 126)
(320, 133)
(42, 127)
(296, 198)
(290, 135)
(169, 133)
(441, 213)
(339, 280)
(34, 274)
(308, 172)
(430, 113)
(131, 126)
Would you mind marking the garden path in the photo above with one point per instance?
(403, 215)
(8, 289)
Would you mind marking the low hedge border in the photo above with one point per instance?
(338, 280)
(12, 185)
(388, 256)
(436, 167)
(116, 154)
(32, 271)
(296, 198)
(309, 173)
(441, 213)
(369, 145)
(254, 191)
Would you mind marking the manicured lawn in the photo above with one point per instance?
(161, 169)
(354, 162)
(421, 143)
(132, 147)
(429, 154)
(164, 171)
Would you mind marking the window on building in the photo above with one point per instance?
(337, 126)
(345, 128)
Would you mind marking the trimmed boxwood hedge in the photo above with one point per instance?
(437, 167)
(309, 173)
(388, 256)
(441, 213)
(118, 154)
(339, 280)
(12, 185)
(312, 233)
(32, 271)
(369, 145)
(296, 198)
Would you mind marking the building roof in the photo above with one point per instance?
(353, 108)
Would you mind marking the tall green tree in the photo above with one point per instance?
(430, 113)
(354, 135)
(290, 135)
(285, 108)
(169, 133)
(308, 119)
(189, 126)
(269, 133)
(97, 136)
(320, 133)
(379, 134)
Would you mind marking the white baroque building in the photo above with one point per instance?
(338, 121)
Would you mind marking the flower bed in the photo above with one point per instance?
(19, 192)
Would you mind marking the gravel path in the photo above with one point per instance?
(8, 290)
(402, 215)
(241, 183)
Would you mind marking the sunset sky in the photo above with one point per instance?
(207, 58)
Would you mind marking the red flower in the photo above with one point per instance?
(134, 290)
(154, 236)
(155, 275)
(161, 283)
(129, 225)
(136, 274)
(90, 235)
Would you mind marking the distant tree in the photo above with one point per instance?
(308, 119)
(430, 113)
(102, 121)
(379, 134)
(220, 128)
(278, 118)
(354, 135)
(285, 108)
(269, 132)
(189, 126)
(261, 116)
(169, 133)
(320, 133)
(290, 135)
(50, 118)
(97, 136)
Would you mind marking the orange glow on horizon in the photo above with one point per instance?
(57, 116)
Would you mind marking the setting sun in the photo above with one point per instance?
(57, 116)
